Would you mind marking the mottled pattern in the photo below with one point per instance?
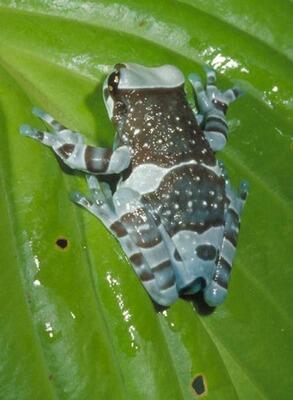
(190, 197)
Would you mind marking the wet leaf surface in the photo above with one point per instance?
(75, 321)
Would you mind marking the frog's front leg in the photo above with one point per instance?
(216, 292)
(213, 105)
(73, 152)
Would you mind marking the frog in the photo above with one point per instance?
(173, 208)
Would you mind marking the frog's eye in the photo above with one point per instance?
(113, 82)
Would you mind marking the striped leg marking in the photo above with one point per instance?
(216, 292)
(73, 152)
(177, 262)
(142, 229)
(213, 105)
(156, 280)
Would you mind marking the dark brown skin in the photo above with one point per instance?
(146, 122)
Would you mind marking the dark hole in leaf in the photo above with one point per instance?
(198, 384)
(62, 243)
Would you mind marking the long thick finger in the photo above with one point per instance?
(38, 112)
(44, 137)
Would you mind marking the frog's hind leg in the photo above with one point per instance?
(150, 244)
(216, 292)
(101, 205)
(213, 105)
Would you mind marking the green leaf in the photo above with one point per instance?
(76, 323)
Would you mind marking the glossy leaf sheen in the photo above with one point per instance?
(76, 323)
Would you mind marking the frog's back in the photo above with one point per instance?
(162, 130)
(175, 172)
(189, 197)
(173, 166)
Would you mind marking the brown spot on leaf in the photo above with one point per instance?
(62, 243)
(199, 385)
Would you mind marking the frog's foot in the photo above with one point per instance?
(216, 292)
(210, 98)
(66, 144)
(100, 191)
(213, 105)
(99, 202)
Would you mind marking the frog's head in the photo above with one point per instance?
(127, 78)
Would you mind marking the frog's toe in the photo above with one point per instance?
(232, 94)
(27, 130)
(81, 199)
(38, 112)
(243, 189)
(195, 80)
(214, 294)
(93, 182)
(100, 191)
(46, 138)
